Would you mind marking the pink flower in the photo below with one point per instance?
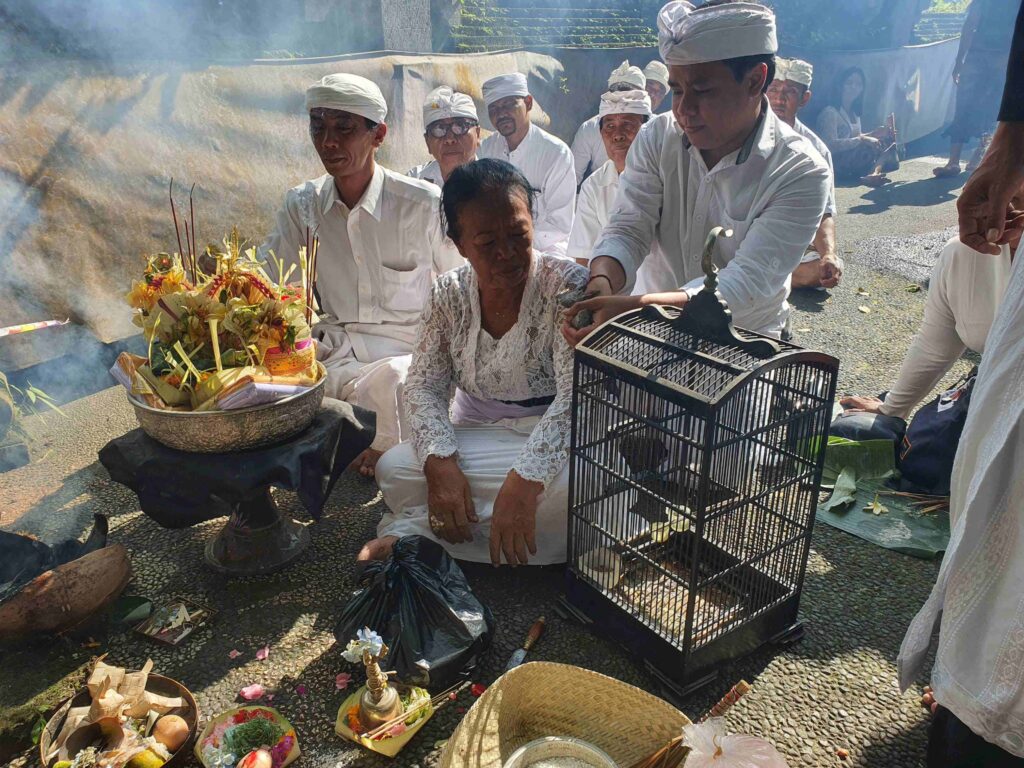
(342, 680)
(252, 692)
(270, 697)
(301, 690)
(398, 729)
(263, 653)
(233, 654)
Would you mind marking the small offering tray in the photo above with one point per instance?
(392, 740)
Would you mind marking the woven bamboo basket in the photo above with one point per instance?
(546, 699)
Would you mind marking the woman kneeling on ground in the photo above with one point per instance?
(491, 480)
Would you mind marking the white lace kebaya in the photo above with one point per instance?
(511, 411)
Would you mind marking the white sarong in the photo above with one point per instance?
(486, 452)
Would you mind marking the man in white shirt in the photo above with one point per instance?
(657, 88)
(622, 115)
(380, 247)
(544, 160)
(452, 133)
(587, 146)
(789, 92)
(722, 158)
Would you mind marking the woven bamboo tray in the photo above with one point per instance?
(546, 699)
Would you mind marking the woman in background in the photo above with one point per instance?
(855, 154)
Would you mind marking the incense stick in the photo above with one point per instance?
(192, 243)
(174, 215)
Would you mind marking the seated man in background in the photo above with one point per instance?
(381, 245)
(721, 158)
(789, 92)
(621, 116)
(452, 133)
(587, 146)
(543, 159)
(657, 84)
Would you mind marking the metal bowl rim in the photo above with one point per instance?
(251, 409)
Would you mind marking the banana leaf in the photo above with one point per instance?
(868, 459)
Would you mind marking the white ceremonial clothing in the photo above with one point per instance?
(531, 361)
(588, 152)
(771, 193)
(485, 454)
(547, 163)
(977, 602)
(375, 265)
(823, 150)
(593, 207)
(964, 295)
(427, 172)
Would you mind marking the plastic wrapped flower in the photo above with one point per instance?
(366, 640)
(712, 747)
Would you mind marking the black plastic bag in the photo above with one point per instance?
(419, 601)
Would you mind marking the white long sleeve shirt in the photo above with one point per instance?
(588, 150)
(430, 171)
(376, 262)
(964, 295)
(823, 150)
(771, 193)
(976, 602)
(546, 162)
(593, 207)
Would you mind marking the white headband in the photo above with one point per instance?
(688, 35)
(624, 73)
(443, 103)
(657, 72)
(625, 103)
(503, 86)
(348, 93)
(799, 71)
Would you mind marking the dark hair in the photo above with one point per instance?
(837, 95)
(600, 122)
(370, 125)
(741, 66)
(476, 179)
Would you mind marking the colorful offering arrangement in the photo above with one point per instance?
(235, 337)
(247, 737)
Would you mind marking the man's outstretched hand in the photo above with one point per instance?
(987, 218)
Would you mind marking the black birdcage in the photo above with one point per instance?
(696, 461)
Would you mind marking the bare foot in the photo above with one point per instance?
(377, 549)
(928, 700)
(366, 462)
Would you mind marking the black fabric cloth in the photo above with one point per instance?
(951, 744)
(1012, 109)
(869, 426)
(179, 489)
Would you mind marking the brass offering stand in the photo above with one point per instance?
(380, 702)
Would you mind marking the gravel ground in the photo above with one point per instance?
(834, 690)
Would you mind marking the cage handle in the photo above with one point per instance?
(707, 314)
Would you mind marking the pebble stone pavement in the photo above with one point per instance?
(834, 690)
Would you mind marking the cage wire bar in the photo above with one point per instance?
(694, 476)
